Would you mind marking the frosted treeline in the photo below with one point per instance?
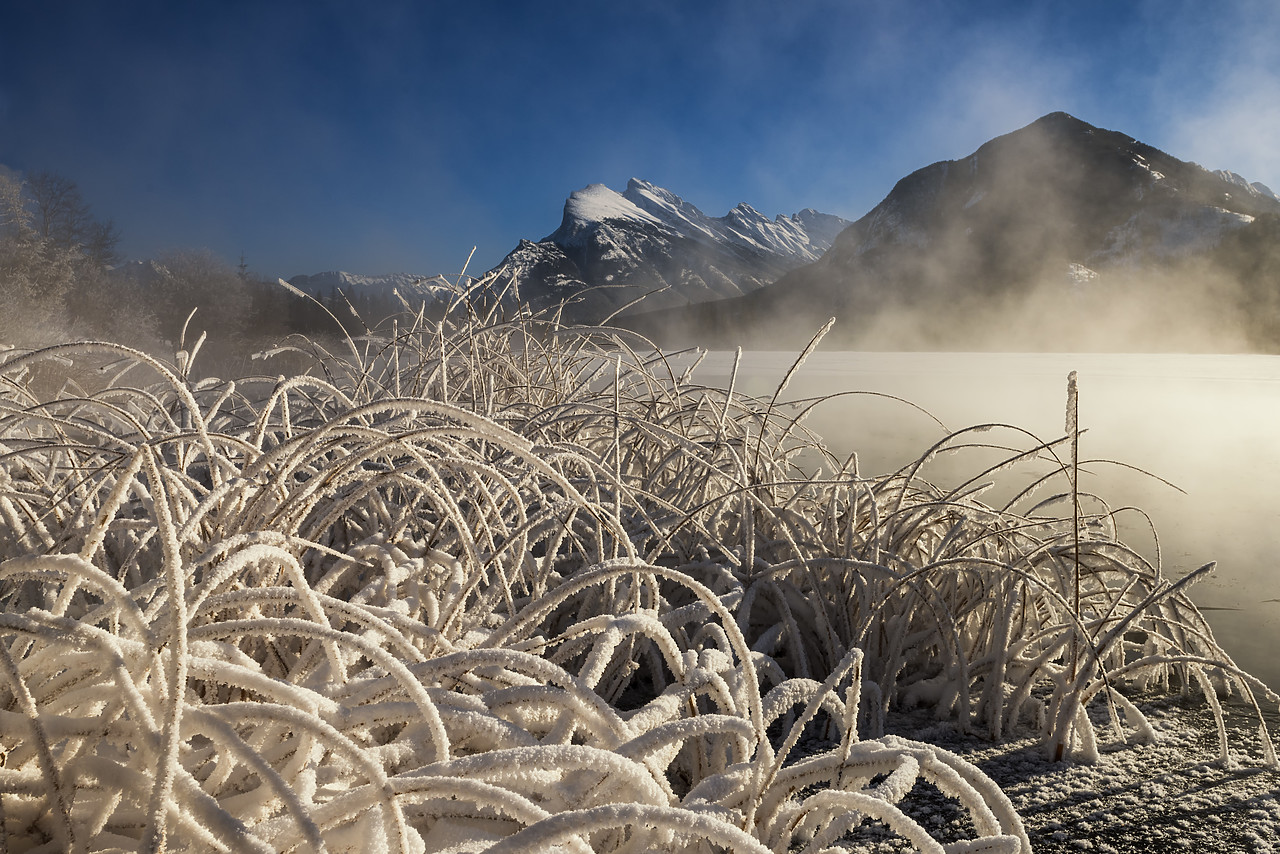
(498, 584)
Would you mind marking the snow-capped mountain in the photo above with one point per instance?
(612, 248)
(1055, 224)
(412, 287)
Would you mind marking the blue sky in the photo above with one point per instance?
(394, 136)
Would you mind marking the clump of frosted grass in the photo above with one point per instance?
(494, 581)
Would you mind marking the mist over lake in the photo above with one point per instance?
(1206, 423)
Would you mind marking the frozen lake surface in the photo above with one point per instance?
(1208, 423)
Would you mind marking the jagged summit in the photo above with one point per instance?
(613, 247)
(805, 235)
(593, 205)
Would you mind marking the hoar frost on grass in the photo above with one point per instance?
(492, 583)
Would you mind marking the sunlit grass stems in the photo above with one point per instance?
(487, 577)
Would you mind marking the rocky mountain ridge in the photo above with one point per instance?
(1060, 235)
(612, 248)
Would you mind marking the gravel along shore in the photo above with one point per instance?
(1170, 796)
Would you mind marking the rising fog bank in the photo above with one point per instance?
(1169, 311)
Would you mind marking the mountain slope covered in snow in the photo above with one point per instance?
(612, 248)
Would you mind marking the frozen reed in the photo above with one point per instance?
(495, 583)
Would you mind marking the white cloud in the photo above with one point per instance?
(1237, 127)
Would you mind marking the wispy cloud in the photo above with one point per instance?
(1003, 80)
(1224, 110)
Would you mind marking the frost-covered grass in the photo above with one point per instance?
(499, 584)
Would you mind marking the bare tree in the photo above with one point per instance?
(60, 212)
(199, 279)
(34, 283)
(64, 220)
(14, 217)
(100, 246)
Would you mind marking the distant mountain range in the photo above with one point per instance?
(1057, 236)
(381, 288)
(612, 248)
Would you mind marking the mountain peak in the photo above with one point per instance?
(666, 206)
(597, 203)
(612, 247)
(638, 185)
(1058, 118)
